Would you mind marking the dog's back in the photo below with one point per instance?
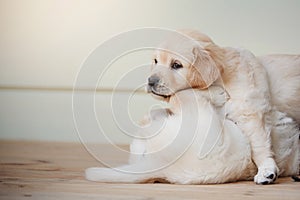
(284, 77)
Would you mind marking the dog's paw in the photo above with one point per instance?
(218, 96)
(100, 174)
(267, 173)
(89, 174)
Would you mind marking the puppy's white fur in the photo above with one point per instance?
(206, 148)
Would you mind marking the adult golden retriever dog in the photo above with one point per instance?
(197, 145)
(260, 115)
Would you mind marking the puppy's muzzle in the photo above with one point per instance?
(156, 87)
(153, 81)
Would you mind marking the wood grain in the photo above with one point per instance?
(41, 170)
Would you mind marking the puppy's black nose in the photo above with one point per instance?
(153, 80)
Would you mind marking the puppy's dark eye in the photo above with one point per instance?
(176, 65)
(155, 61)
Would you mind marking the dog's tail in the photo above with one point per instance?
(123, 174)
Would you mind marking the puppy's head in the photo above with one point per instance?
(188, 59)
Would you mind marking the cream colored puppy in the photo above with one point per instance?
(197, 145)
(255, 86)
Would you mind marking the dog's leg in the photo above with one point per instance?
(110, 175)
(252, 106)
(285, 143)
(133, 173)
(260, 141)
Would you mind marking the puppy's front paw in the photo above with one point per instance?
(267, 173)
(218, 96)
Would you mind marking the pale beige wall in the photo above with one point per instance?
(44, 42)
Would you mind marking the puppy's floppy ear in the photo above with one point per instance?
(207, 65)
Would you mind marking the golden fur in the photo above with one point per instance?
(232, 109)
(246, 79)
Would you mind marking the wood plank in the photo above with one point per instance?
(41, 170)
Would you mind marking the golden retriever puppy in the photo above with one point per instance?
(190, 59)
(197, 145)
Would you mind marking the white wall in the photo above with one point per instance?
(44, 42)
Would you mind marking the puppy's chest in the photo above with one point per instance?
(244, 102)
(247, 90)
(239, 82)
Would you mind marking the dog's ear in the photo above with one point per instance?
(207, 65)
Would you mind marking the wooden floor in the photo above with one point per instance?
(39, 170)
